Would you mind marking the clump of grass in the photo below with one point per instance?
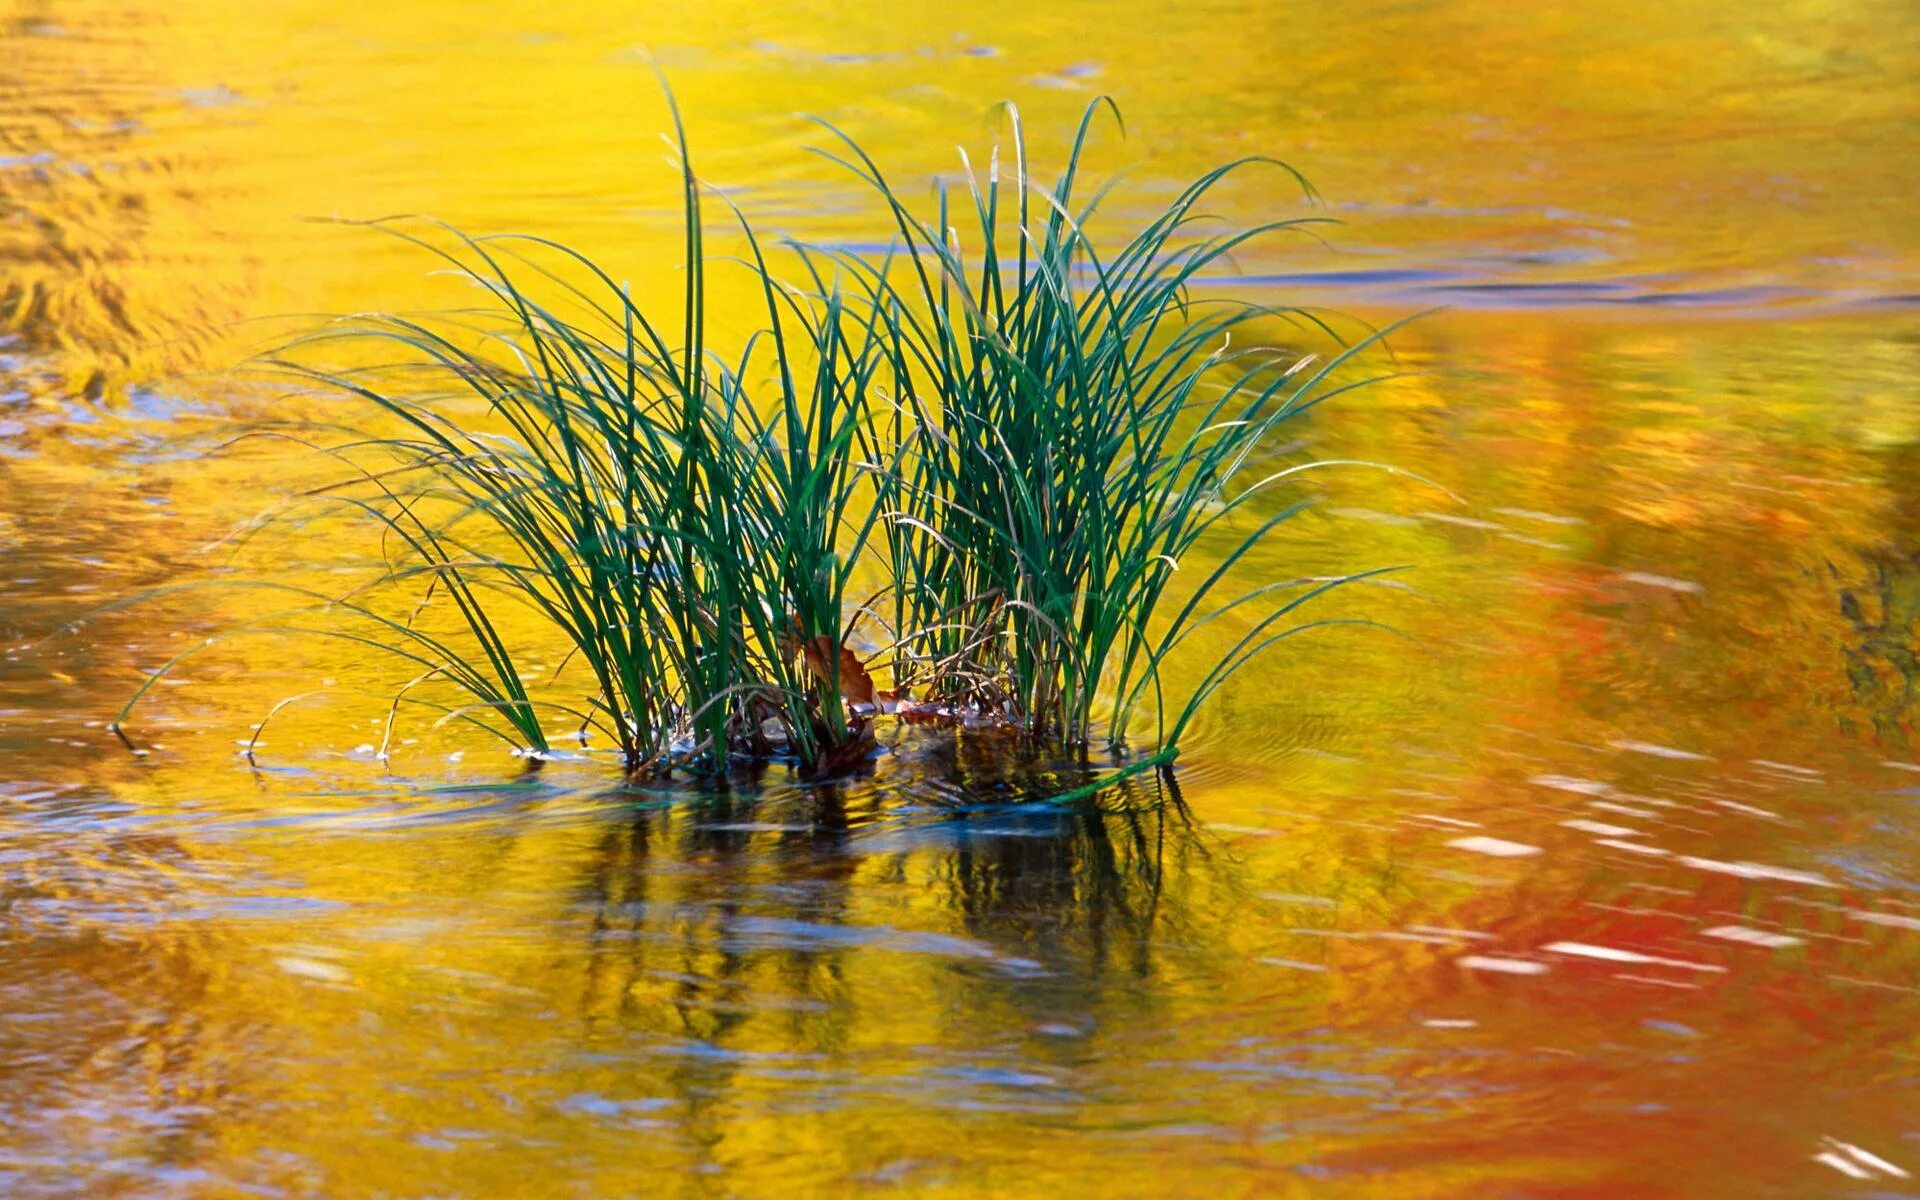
(686, 535)
(1074, 427)
(1022, 443)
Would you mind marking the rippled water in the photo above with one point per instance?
(1601, 879)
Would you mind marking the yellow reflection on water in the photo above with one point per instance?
(1678, 601)
(164, 163)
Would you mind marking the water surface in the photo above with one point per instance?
(1601, 878)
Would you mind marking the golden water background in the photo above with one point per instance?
(1662, 652)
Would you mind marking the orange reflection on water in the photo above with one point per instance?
(1444, 914)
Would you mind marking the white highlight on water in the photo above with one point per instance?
(1752, 937)
(1752, 870)
(1502, 966)
(1497, 847)
(1616, 954)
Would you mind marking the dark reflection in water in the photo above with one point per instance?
(1879, 597)
(1884, 609)
(1087, 881)
(734, 929)
(753, 881)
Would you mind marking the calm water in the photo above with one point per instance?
(1602, 879)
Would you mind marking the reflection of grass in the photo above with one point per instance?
(1022, 446)
(1063, 886)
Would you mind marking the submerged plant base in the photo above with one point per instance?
(963, 767)
(987, 764)
(926, 732)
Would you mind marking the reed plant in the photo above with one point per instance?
(1049, 456)
(689, 531)
(1076, 430)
